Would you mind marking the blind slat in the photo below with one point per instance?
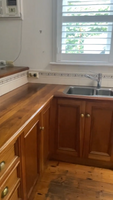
(92, 4)
(86, 26)
(85, 44)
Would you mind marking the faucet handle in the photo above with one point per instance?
(97, 74)
(100, 75)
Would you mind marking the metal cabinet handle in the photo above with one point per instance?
(41, 128)
(4, 192)
(88, 115)
(2, 165)
(82, 115)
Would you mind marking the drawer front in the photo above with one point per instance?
(6, 159)
(14, 195)
(9, 185)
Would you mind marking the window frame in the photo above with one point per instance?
(76, 58)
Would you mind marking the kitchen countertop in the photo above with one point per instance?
(17, 108)
(10, 70)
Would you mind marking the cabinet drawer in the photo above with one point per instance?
(14, 195)
(7, 159)
(9, 185)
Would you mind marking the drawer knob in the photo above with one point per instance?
(4, 192)
(2, 165)
(88, 115)
(82, 115)
(41, 128)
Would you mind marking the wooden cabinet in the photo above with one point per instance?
(84, 132)
(7, 160)
(9, 184)
(45, 132)
(98, 141)
(29, 154)
(9, 177)
(70, 127)
(34, 151)
(31, 157)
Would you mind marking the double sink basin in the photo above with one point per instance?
(88, 91)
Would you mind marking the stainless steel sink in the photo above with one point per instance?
(104, 92)
(88, 91)
(80, 91)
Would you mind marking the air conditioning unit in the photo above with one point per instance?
(11, 9)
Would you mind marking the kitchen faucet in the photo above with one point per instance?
(98, 79)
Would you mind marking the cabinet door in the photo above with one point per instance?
(70, 123)
(98, 143)
(31, 157)
(45, 126)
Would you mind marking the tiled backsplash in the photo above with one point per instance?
(71, 78)
(12, 82)
(72, 75)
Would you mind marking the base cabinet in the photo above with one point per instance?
(34, 152)
(31, 157)
(45, 135)
(84, 132)
(69, 137)
(98, 141)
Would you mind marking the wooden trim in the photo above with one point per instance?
(97, 156)
(31, 129)
(21, 170)
(9, 174)
(14, 188)
(4, 175)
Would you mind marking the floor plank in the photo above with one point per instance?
(64, 181)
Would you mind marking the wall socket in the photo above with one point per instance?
(33, 74)
(2, 63)
(9, 63)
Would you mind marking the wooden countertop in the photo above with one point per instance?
(18, 107)
(6, 71)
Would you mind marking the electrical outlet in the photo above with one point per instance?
(33, 74)
(2, 63)
(9, 63)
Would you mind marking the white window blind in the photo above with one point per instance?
(84, 30)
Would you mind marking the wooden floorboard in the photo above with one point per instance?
(63, 181)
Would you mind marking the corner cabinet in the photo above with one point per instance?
(83, 131)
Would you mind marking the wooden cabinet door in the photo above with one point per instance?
(69, 137)
(45, 132)
(31, 157)
(98, 141)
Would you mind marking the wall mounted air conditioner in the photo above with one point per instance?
(11, 9)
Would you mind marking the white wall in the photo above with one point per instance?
(36, 47)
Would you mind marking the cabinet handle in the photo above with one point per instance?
(2, 165)
(41, 128)
(88, 115)
(82, 115)
(4, 192)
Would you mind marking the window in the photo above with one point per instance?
(84, 31)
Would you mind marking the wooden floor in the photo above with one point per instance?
(63, 181)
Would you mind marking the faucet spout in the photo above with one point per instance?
(98, 79)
